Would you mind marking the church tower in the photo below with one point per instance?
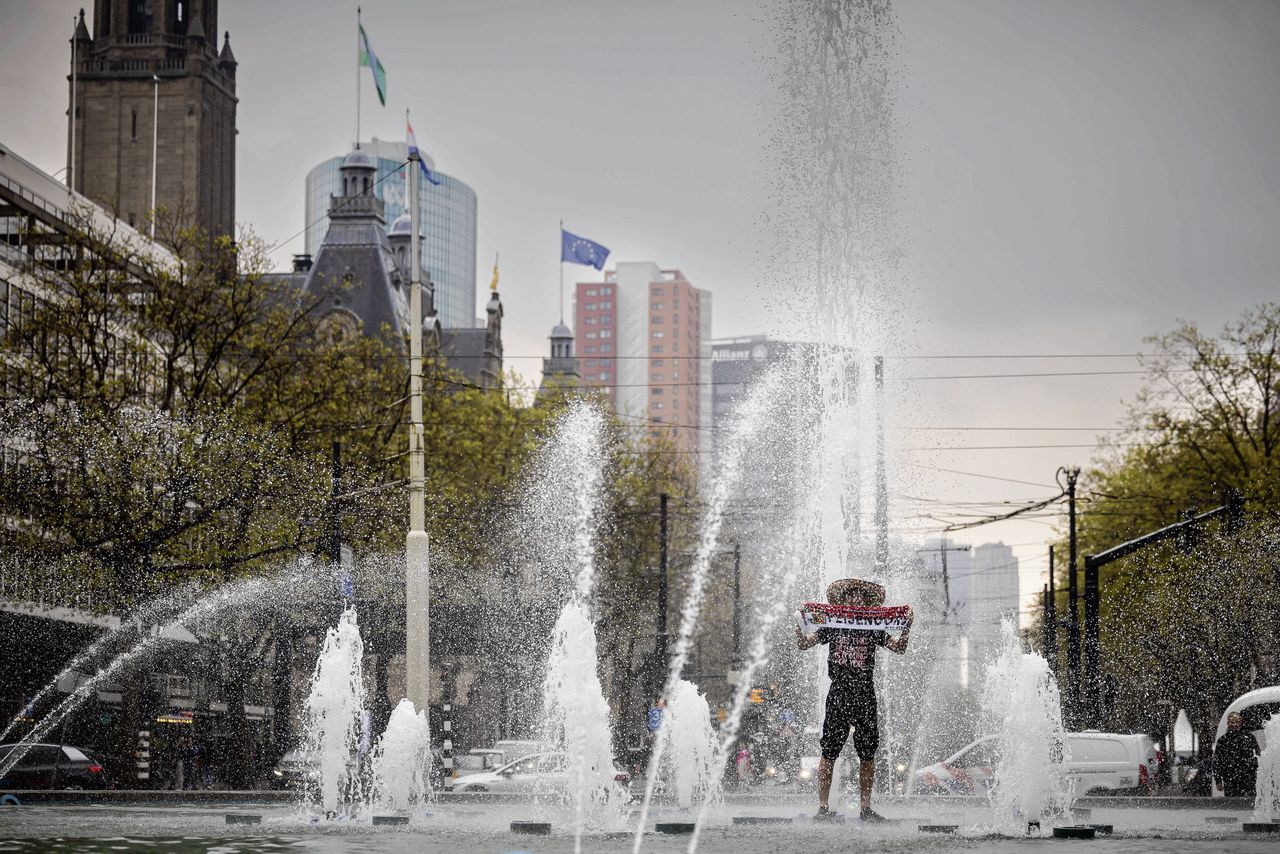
(154, 66)
(561, 370)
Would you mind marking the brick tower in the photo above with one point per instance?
(145, 59)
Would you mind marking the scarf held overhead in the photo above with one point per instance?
(819, 615)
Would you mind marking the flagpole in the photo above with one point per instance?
(359, 47)
(71, 168)
(562, 271)
(155, 146)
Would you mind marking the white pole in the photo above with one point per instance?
(561, 256)
(155, 140)
(71, 167)
(417, 591)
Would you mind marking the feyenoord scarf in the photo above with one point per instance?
(819, 615)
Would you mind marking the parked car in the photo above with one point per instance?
(1099, 762)
(54, 766)
(540, 773)
(475, 761)
(514, 748)
(1255, 707)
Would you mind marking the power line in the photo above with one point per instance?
(341, 204)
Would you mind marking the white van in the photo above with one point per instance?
(1255, 707)
(1100, 761)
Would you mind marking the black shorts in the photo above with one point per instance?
(850, 707)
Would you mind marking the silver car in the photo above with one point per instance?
(539, 773)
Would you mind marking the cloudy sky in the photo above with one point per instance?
(1075, 176)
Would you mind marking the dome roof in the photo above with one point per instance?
(561, 331)
(357, 159)
(402, 227)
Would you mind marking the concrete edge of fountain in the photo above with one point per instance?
(731, 799)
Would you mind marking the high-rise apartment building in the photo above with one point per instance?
(644, 336)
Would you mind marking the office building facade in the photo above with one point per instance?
(449, 216)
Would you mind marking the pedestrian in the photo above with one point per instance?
(851, 699)
(1235, 759)
(653, 718)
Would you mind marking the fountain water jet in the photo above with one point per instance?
(402, 756)
(575, 712)
(746, 422)
(332, 712)
(1022, 710)
(693, 743)
(1266, 805)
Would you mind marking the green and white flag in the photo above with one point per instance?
(370, 59)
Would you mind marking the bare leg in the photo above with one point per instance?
(866, 776)
(825, 767)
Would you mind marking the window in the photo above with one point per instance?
(592, 293)
(604, 375)
(657, 292)
(675, 375)
(657, 348)
(606, 319)
(133, 126)
(604, 333)
(656, 378)
(657, 363)
(591, 321)
(659, 334)
(591, 306)
(606, 305)
(656, 319)
(657, 404)
(657, 306)
(606, 363)
(606, 291)
(656, 391)
(606, 348)
(591, 349)
(591, 335)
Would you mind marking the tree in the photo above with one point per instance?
(1193, 621)
(175, 410)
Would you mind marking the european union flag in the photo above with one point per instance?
(579, 250)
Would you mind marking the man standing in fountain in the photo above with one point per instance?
(851, 700)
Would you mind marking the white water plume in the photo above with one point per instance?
(331, 714)
(770, 610)
(577, 719)
(401, 760)
(695, 774)
(560, 500)
(1022, 712)
(1266, 805)
(747, 420)
(565, 494)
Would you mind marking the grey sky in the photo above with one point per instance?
(1075, 175)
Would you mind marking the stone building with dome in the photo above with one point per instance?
(361, 271)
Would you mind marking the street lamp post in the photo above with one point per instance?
(417, 587)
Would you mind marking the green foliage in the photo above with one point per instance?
(1193, 621)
